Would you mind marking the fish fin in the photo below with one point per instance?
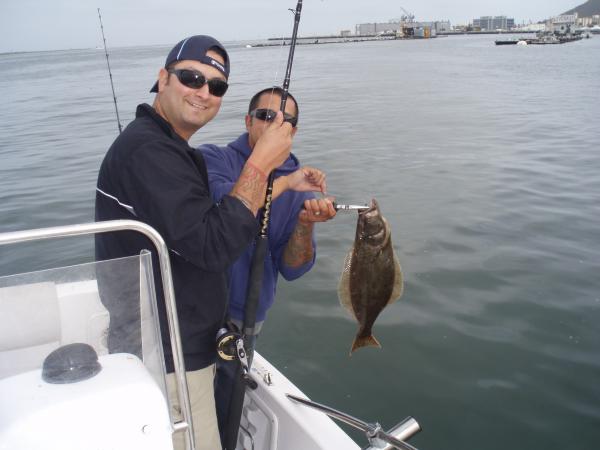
(364, 341)
(398, 289)
(344, 284)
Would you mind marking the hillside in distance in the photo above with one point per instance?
(587, 9)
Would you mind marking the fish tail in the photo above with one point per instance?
(364, 341)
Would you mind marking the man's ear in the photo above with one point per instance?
(163, 78)
(294, 130)
(248, 122)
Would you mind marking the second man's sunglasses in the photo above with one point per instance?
(269, 116)
(195, 80)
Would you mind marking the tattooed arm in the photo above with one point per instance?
(250, 187)
(299, 249)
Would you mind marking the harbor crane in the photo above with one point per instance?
(407, 17)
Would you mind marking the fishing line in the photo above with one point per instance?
(112, 86)
(277, 70)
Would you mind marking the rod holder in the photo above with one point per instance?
(403, 431)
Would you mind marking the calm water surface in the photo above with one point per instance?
(485, 162)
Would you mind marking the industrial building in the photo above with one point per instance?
(562, 24)
(366, 29)
(489, 23)
(588, 21)
(404, 28)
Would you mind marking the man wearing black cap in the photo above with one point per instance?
(151, 174)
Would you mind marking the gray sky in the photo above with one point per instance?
(27, 25)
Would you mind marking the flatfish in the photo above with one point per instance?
(372, 277)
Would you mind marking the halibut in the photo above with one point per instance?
(372, 277)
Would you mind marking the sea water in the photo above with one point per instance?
(485, 161)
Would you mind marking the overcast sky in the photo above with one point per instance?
(27, 25)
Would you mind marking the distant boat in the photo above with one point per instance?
(543, 38)
(510, 41)
(506, 42)
(553, 38)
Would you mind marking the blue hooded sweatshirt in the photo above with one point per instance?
(224, 166)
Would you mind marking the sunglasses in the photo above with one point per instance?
(195, 80)
(269, 116)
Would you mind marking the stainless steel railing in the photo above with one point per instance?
(169, 293)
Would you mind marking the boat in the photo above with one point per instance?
(544, 38)
(510, 41)
(554, 38)
(61, 388)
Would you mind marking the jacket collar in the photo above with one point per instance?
(145, 110)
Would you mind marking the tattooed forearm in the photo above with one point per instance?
(299, 249)
(251, 179)
(250, 187)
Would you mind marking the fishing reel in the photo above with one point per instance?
(226, 343)
(230, 346)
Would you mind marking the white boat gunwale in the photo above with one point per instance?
(287, 418)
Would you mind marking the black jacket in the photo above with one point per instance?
(152, 175)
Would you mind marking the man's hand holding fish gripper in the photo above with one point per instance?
(317, 210)
(308, 179)
(299, 249)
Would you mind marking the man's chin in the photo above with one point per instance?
(200, 118)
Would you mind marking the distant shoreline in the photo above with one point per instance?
(384, 35)
(327, 39)
(340, 39)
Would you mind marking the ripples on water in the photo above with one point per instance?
(483, 159)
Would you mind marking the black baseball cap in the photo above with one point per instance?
(195, 48)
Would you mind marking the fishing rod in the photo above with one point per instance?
(242, 377)
(112, 86)
(257, 267)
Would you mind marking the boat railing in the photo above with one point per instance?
(186, 424)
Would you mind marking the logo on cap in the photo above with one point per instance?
(218, 65)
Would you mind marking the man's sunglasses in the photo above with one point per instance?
(195, 80)
(269, 116)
